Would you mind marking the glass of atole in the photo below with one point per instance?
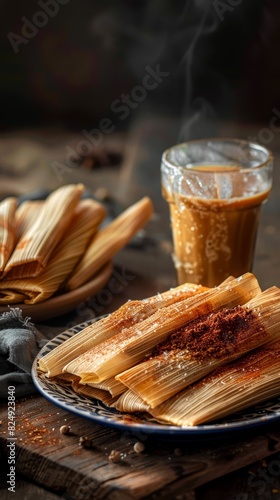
(215, 189)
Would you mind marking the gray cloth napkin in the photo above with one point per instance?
(20, 342)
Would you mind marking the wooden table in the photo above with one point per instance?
(50, 465)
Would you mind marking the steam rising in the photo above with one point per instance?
(182, 38)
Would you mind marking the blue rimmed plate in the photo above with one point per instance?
(94, 410)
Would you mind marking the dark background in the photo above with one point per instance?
(222, 56)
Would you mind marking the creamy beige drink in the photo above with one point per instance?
(215, 211)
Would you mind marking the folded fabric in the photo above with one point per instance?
(20, 342)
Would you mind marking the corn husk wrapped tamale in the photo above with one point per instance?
(110, 240)
(66, 379)
(7, 229)
(100, 393)
(86, 219)
(34, 249)
(113, 386)
(26, 214)
(250, 380)
(132, 345)
(94, 393)
(11, 297)
(192, 352)
(131, 313)
(130, 402)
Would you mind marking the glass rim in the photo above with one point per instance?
(242, 142)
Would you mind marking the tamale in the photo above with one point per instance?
(34, 249)
(192, 352)
(131, 313)
(110, 240)
(252, 379)
(94, 393)
(132, 345)
(66, 379)
(130, 402)
(69, 380)
(113, 386)
(26, 214)
(86, 219)
(7, 229)
(9, 296)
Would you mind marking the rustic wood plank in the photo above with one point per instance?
(260, 480)
(164, 469)
(27, 491)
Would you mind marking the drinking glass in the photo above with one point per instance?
(215, 189)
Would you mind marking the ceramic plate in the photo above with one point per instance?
(64, 303)
(67, 399)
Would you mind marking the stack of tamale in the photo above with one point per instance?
(188, 356)
(57, 245)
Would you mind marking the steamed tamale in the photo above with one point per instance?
(130, 402)
(211, 340)
(113, 386)
(36, 245)
(26, 215)
(241, 384)
(94, 393)
(132, 345)
(131, 313)
(86, 219)
(102, 394)
(7, 229)
(110, 240)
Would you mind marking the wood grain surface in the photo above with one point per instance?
(164, 469)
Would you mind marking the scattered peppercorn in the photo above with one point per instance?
(115, 456)
(139, 447)
(65, 429)
(85, 442)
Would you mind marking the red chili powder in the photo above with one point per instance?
(214, 335)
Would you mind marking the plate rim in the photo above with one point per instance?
(121, 425)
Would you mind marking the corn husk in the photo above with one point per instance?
(250, 380)
(7, 229)
(111, 385)
(93, 393)
(132, 345)
(126, 316)
(159, 378)
(130, 402)
(34, 249)
(66, 379)
(86, 219)
(69, 380)
(9, 296)
(26, 215)
(110, 240)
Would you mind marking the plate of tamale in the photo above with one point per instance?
(191, 360)
(56, 252)
(64, 303)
